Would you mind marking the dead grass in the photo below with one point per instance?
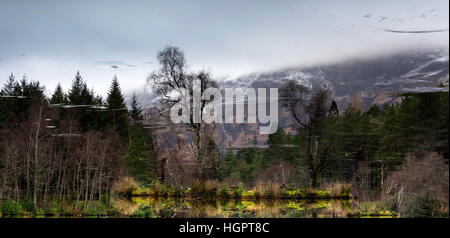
(124, 186)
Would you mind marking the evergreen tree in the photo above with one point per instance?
(6, 103)
(139, 158)
(373, 110)
(58, 96)
(115, 98)
(87, 95)
(116, 107)
(31, 90)
(136, 110)
(78, 93)
(10, 87)
(333, 111)
(98, 100)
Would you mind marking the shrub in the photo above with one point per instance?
(239, 190)
(100, 209)
(158, 189)
(67, 212)
(423, 207)
(178, 191)
(211, 188)
(54, 208)
(28, 205)
(11, 209)
(204, 188)
(197, 188)
(270, 190)
(259, 190)
(419, 181)
(90, 212)
(224, 191)
(346, 189)
(124, 186)
(40, 213)
(145, 212)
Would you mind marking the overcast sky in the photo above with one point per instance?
(50, 40)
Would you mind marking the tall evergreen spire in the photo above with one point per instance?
(135, 110)
(74, 94)
(115, 98)
(79, 92)
(118, 113)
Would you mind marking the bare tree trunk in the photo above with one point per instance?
(87, 178)
(78, 184)
(36, 158)
(28, 162)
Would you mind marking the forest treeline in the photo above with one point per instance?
(74, 145)
(362, 147)
(71, 146)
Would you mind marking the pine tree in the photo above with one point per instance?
(75, 93)
(136, 110)
(116, 107)
(30, 89)
(87, 95)
(58, 96)
(79, 94)
(10, 87)
(115, 98)
(6, 104)
(98, 100)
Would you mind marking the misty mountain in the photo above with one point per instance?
(377, 80)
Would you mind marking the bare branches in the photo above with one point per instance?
(306, 105)
(309, 106)
(171, 76)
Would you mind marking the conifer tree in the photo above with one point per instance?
(333, 111)
(10, 87)
(31, 90)
(116, 107)
(58, 96)
(135, 110)
(78, 93)
(139, 158)
(115, 98)
(6, 103)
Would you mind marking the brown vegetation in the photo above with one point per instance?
(426, 177)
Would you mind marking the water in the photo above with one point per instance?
(151, 207)
(182, 208)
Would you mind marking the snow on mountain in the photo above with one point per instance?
(376, 81)
(366, 78)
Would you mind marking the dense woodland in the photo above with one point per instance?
(51, 151)
(72, 146)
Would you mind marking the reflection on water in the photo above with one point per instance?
(151, 207)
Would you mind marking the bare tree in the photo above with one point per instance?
(169, 83)
(427, 175)
(309, 106)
